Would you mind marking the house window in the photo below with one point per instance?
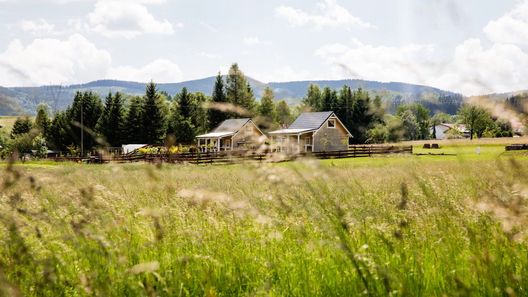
(331, 123)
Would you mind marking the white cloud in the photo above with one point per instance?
(160, 71)
(209, 55)
(45, 61)
(76, 1)
(330, 14)
(510, 28)
(284, 74)
(37, 27)
(127, 19)
(253, 40)
(472, 70)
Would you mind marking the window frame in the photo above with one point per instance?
(334, 121)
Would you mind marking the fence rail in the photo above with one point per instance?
(230, 157)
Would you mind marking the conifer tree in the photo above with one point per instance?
(84, 114)
(110, 124)
(133, 126)
(283, 113)
(218, 97)
(21, 126)
(238, 90)
(42, 120)
(266, 107)
(328, 100)
(60, 135)
(200, 120)
(313, 97)
(154, 116)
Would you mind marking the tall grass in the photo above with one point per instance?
(308, 228)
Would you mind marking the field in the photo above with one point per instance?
(6, 123)
(451, 225)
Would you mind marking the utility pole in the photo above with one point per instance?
(82, 128)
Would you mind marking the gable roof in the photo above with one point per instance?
(231, 125)
(311, 120)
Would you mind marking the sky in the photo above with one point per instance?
(469, 46)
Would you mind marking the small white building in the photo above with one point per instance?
(446, 131)
(128, 148)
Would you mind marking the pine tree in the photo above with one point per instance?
(110, 124)
(238, 91)
(84, 114)
(313, 98)
(21, 126)
(266, 107)
(200, 120)
(42, 121)
(328, 100)
(133, 126)
(60, 135)
(283, 113)
(186, 104)
(345, 106)
(218, 98)
(154, 116)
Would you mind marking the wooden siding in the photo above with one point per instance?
(331, 139)
(247, 136)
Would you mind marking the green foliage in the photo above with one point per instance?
(328, 100)
(477, 119)
(354, 109)
(83, 115)
(188, 117)
(22, 125)
(218, 98)
(283, 113)
(200, 118)
(415, 119)
(60, 135)
(110, 124)
(133, 126)
(154, 116)
(266, 107)
(313, 97)
(238, 91)
(42, 120)
(390, 130)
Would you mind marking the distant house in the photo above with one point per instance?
(312, 132)
(445, 131)
(230, 135)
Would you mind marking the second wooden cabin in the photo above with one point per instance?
(312, 132)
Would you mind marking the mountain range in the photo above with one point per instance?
(23, 100)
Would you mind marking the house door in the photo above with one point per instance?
(308, 145)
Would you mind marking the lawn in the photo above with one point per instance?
(392, 225)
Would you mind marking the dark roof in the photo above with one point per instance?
(311, 120)
(231, 125)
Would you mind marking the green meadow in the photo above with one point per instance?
(401, 225)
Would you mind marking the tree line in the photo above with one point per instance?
(154, 118)
(158, 118)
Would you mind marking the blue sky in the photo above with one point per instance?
(471, 46)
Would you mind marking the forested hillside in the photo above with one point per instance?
(393, 93)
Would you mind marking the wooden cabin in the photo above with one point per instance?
(232, 134)
(312, 132)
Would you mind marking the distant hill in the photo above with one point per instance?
(504, 96)
(9, 103)
(393, 93)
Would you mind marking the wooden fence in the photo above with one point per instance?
(230, 157)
